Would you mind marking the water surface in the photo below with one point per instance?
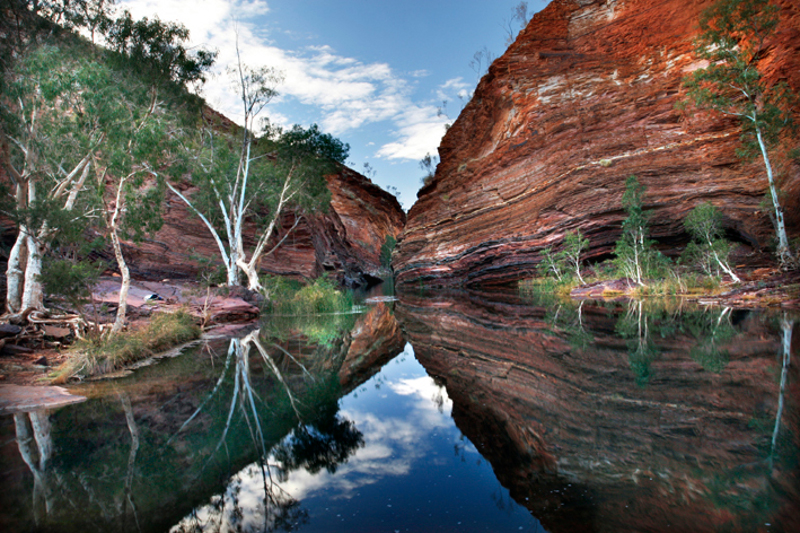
(442, 412)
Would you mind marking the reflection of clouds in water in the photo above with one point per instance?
(246, 505)
(392, 444)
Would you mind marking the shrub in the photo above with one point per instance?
(709, 250)
(386, 251)
(321, 296)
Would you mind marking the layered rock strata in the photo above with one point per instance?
(585, 97)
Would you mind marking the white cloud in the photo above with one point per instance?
(420, 129)
(347, 92)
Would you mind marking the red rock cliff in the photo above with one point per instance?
(584, 98)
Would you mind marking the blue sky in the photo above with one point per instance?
(372, 72)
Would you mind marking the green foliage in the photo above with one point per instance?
(71, 280)
(574, 245)
(551, 264)
(289, 298)
(386, 251)
(319, 311)
(635, 257)
(732, 41)
(709, 249)
(99, 356)
(322, 296)
(158, 48)
(566, 263)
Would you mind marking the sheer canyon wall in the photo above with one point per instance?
(584, 98)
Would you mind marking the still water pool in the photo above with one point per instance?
(455, 412)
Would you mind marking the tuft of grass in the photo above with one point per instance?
(95, 357)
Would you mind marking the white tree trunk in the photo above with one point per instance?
(784, 254)
(15, 273)
(33, 295)
(125, 284)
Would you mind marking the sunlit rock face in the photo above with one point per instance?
(595, 432)
(584, 98)
(346, 241)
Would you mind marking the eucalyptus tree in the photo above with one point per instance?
(245, 179)
(78, 120)
(709, 249)
(148, 117)
(51, 136)
(733, 40)
(634, 253)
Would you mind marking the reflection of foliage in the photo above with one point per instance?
(326, 442)
(711, 331)
(638, 325)
(744, 493)
(324, 330)
(567, 318)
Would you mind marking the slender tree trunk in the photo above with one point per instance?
(784, 254)
(15, 273)
(722, 264)
(33, 294)
(125, 284)
(787, 326)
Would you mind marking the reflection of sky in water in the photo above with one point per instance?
(415, 472)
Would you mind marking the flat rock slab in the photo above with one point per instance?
(19, 398)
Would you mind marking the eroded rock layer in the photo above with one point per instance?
(599, 426)
(584, 98)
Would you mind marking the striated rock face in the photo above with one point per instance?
(584, 98)
(345, 241)
(585, 444)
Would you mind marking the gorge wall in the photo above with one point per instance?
(583, 99)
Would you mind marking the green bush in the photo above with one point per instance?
(289, 298)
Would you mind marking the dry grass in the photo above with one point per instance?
(101, 356)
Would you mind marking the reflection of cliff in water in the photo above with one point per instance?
(152, 449)
(621, 418)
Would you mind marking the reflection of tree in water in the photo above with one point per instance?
(35, 446)
(321, 440)
(712, 328)
(749, 490)
(635, 326)
(326, 442)
(565, 315)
